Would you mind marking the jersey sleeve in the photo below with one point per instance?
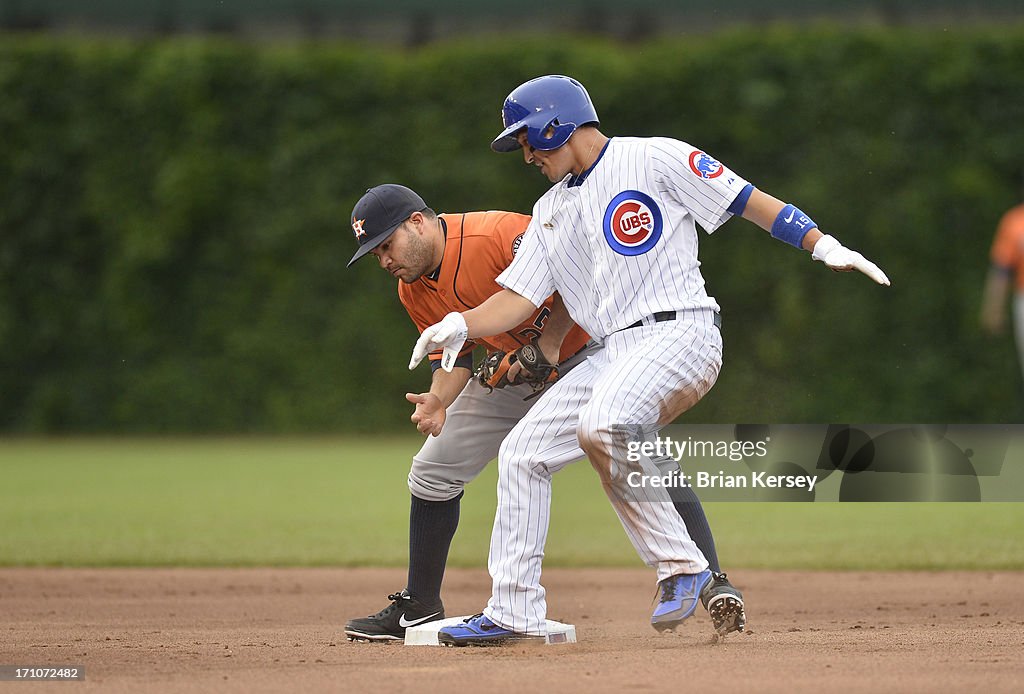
(529, 274)
(1006, 247)
(696, 180)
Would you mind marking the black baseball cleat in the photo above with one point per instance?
(724, 603)
(390, 623)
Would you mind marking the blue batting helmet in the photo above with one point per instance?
(552, 101)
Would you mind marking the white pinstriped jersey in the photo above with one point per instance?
(621, 244)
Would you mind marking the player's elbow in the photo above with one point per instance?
(519, 308)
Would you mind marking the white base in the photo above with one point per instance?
(426, 634)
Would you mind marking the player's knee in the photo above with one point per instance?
(511, 452)
(515, 459)
(432, 488)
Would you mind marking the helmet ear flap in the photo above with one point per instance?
(551, 136)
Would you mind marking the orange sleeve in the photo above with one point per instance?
(1006, 248)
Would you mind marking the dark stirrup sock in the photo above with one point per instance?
(689, 508)
(432, 526)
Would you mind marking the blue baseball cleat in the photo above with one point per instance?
(479, 631)
(678, 597)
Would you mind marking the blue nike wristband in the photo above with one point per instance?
(791, 225)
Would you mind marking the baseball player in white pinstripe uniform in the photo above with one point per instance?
(616, 237)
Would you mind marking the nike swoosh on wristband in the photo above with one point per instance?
(402, 623)
(789, 220)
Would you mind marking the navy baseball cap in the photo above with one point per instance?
(379, 212)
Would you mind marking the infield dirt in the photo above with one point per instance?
(274, 630)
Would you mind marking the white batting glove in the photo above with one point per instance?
(838, 257)
(450, 334)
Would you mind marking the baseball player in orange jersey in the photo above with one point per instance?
(1007, 270)
(445, 263)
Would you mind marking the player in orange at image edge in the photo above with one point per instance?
(1006, 273)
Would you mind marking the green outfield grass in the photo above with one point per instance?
(344, 502)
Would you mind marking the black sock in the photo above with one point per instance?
(432, 526)
(689, 508)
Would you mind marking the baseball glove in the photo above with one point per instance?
(536, 369)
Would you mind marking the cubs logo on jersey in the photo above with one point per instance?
(705, 166)
(632, 223)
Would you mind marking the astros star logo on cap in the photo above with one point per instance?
(357, 226)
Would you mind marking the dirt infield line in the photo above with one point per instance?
(267, 630)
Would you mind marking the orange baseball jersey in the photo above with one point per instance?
(1008, 246)
(478, 247)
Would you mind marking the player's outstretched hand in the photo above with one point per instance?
(840, 258)
(429, 414)
(449, 334)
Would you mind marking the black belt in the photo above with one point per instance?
(662, 316)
